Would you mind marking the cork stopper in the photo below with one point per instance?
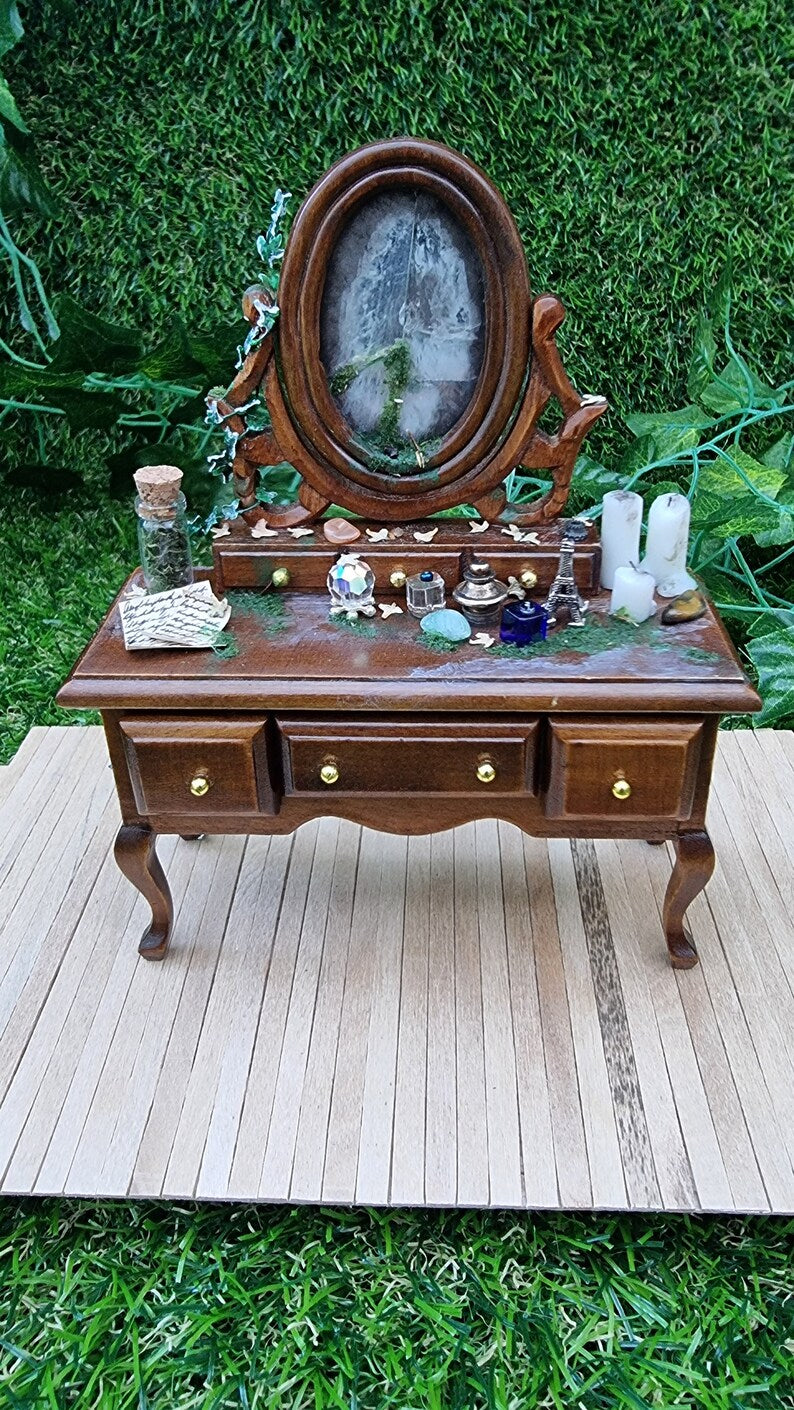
(158, 487)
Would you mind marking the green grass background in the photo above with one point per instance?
(640, 145)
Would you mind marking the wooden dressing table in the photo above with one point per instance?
(608, 731)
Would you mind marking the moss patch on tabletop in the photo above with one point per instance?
(267, 606)
(602, 633)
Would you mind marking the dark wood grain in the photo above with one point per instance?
(693, 867)
(136, 855)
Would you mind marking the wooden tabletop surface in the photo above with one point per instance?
(299, 657)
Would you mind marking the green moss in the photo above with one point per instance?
(435, 642)
(268, 607)
(601, 633)
(358, 627)
(225, 645)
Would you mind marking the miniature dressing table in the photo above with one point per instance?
(406, 374)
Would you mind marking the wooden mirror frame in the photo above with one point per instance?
(521, 368)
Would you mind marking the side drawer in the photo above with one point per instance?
(622, 768)
(409, 756)
(181, 765)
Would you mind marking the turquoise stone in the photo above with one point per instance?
(445, 622)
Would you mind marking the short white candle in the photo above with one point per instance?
(621, 523)
(666, 545)
(632, 594)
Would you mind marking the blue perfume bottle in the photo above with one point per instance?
(524, 623)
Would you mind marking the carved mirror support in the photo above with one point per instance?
(409, 366)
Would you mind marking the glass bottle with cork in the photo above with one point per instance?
(163, 535)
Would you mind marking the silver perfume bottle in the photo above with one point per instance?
(480, 596)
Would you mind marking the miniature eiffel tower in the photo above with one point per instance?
(564, 594)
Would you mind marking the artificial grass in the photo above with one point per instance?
(62, 566)
(639, 146)
(116, 1306)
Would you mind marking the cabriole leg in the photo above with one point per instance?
(693, 867)
(137, 858)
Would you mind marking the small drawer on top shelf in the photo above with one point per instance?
(622, 768)
(194, 764)
(406, 756)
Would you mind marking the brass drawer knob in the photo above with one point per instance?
(200, 785)
(329, 773)
(397, 578)
(621, 789)
(486, 773)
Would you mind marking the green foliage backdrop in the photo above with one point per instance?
(638, 144)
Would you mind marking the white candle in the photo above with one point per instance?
(666, 545)
(621, 522)
(632, 593)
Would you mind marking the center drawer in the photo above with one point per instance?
(405, 756)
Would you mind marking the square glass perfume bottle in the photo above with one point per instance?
(524, 623)
(425, 592)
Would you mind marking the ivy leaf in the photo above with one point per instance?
(719, 303)
(21, 184)
(725, 502)
(88, 343)
(739, 386)
(215, 349)
(780, 455)
(11, 30)
(670, 431)
(172, 360)
(783, 531)
(98, 411)
(701, 367)
(773, 657)
(636, 457)
(591, 478)
(9, 112)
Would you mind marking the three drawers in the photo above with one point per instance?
(584, 768)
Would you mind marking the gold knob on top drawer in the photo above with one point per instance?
(621, 789)
(329, 773)
(486, 773)
(397, 578)
(529, 579)
(200, 785)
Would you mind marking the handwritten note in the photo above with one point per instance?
(186, 617)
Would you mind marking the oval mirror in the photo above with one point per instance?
(402, 325)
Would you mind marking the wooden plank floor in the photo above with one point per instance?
(474, 1018)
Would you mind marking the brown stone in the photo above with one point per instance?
(340, 531)
(686, 608)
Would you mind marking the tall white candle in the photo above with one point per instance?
(632, 593)
(621, 522)
(666, 545)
